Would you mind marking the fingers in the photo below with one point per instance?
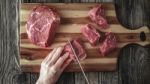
(53, 70)
(50, 55)
(55, 56)
(61, 61)
(66, 64)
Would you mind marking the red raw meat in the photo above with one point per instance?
(79, 50)
(42, 24)
(97, 14)
(109, 44)
(90, 34)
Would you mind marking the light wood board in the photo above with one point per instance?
(73, 16)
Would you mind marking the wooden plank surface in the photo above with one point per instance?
(137, 62)
(73, 17)
(10, 72)
(9, 55)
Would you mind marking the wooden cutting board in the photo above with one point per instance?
(73, 16)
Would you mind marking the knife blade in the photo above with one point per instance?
(78, 62)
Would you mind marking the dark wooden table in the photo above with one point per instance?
(133, 64)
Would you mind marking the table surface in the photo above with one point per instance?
(133, 64)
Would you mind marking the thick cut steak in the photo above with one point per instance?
(79, 50)
(109, 44)
(97, 14)
(41, 25)
(91, 34)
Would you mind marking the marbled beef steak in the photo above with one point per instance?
(97, 14)
(79, 50)
(109, 44)
(91, 34)
(42, 24)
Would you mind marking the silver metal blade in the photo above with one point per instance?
(79, 63)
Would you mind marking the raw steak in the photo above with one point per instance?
(109, 44)
(97, 14)
(41, 25)
(78, 49)
(91, 34)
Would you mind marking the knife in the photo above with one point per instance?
(79, 62)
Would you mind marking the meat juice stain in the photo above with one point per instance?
(130, 37)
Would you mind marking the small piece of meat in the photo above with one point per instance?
(91, 34)
(97, 14)
(109, 44)
(41, 25)
(79, 50)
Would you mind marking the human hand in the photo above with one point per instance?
(53, 66)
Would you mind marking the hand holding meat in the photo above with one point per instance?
(52, 66)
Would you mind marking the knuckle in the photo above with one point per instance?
(61, 58)
(50, 64)
(43, 63)
(46, 65)
(53, 70)
(60, 49)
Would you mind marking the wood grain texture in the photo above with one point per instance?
(31, 57)
(66, 78)
(9, 71)
(108, 78)
(24, 78)
(9, 61)
(128, 10)
(137, 61)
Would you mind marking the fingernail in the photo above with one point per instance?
(55, 49)
(60, 48)
(66, 54)
(69, 60)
